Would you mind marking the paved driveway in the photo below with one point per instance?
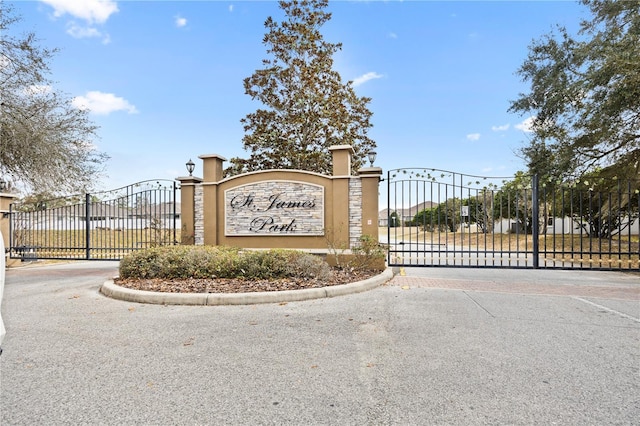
(436, 346)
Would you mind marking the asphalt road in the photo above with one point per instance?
(436, 346)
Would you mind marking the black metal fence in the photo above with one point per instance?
(442, 218)
(98, 226)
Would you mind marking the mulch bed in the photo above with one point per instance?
(234, 285)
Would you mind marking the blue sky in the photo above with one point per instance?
(163, 79)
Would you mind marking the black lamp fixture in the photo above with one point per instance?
(190, 166)
(371, 155)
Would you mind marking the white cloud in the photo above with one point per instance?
(92, 11)
(180, 21)
(366, 77)
(500, 128)
(230, 8)
(473, 136)
(78, 31)
(526, 125)
(393, 35)
(103, 103)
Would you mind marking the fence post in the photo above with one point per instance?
(535, 225)
(175, 190)
(389, 213)
(87, 225)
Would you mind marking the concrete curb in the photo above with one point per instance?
(110, 289)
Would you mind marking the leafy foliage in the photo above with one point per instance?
(394, 220)
(307, 107)
(600, 207)
(514, 201)
(443, 217)
(481, 210)
(430, 220)
(368, 255)
(585, 94)
(45, 142)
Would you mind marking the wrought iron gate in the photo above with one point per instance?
(442, 218)
(99, 226)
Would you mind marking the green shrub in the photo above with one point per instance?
(305, 265)
(368, 255)
(221, 262)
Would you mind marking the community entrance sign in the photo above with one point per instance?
(283, 208)
(274, 208)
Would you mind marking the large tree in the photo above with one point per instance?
(585, 94)
(46, 144)
(307, 107)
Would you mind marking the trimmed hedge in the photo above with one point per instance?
(221, 262)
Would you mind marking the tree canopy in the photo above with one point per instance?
(46, 144)
(307, 108)
(585, 94)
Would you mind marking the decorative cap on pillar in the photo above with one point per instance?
(185, 180)
(212, 167)
(370, 172)
(341, 156)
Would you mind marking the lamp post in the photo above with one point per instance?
(371, 155)
(190, 166)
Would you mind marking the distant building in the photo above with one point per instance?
(404, 214)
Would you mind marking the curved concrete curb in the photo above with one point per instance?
(110, 289)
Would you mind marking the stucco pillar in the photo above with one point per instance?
(5, 201)
(341, 155)
(187, 208)
(370, 177)
(213, 173)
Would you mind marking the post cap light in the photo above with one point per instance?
(371, 155)
(190, 166)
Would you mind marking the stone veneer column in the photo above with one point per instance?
(199, 217)
(188, 186)
(355, 211)
(370, 177)
(213, 173)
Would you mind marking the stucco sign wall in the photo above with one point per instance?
(274, 208)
